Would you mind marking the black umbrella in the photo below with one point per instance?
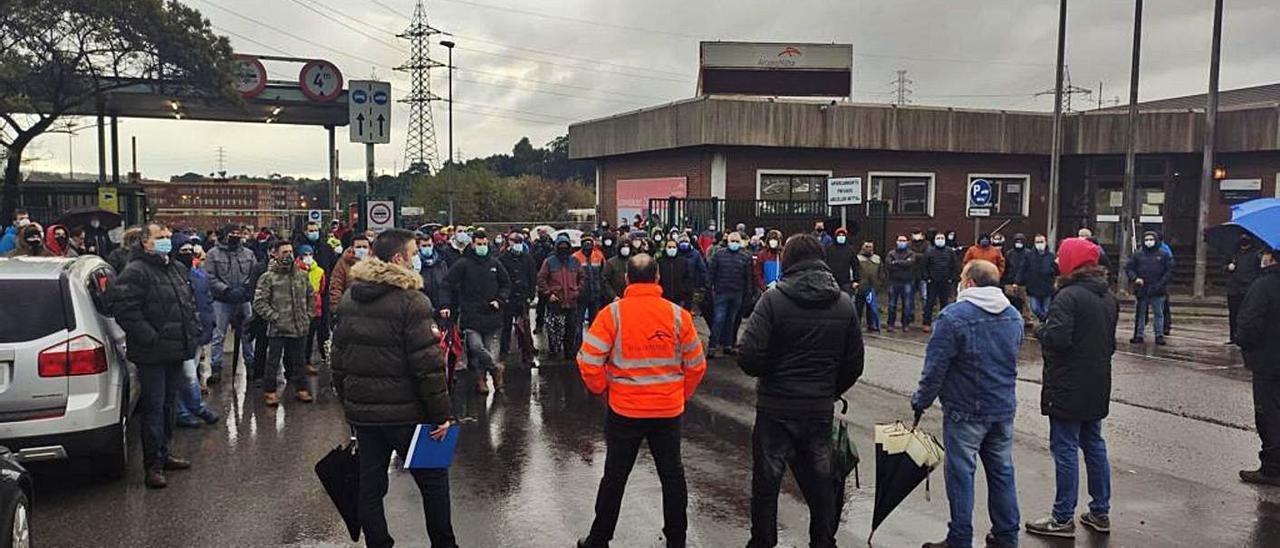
(844, 458)
(339, 472)
(81, 217)
(904, 458)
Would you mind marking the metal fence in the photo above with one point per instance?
(867, 221)
(48, 201)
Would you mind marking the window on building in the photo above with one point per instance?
(906, 193)
(791, 187)
(1009, 194)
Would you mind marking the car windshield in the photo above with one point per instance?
(30, 309)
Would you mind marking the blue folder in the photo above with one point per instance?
(426, 453)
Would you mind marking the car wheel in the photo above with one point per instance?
(116, 461)
(15, 523)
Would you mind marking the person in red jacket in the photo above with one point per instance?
(560, 279)
(645, 352)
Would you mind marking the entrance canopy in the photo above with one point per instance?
(279, 102)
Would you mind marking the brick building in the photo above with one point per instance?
(208, 205)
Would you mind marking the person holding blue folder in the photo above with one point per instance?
(390, 374)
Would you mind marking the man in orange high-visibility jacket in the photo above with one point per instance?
(643, 353)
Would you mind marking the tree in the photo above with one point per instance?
(56, 55)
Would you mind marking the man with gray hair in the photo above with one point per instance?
(971, 365)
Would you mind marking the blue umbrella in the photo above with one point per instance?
(1258, 219)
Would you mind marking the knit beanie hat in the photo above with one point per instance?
(1077, 253)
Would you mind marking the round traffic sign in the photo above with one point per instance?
(380, 97)
(314, 216)
(248, 75)
(380, 214)
(980, 192)
(359, 96)
(320, 80)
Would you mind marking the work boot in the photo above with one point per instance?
(1259, 477)
(711, 353)
(272, 399)
(1160, 341)
(926, 328)
(304, 396)
(214, 378)
(482, 387)
(312, 370)
(1137, 340)
(209, 416)
(993, 542)
(942, 544)
(888, 329)
(174, 463)
(155, 479)
(1099, 523)
(1048, 526)
(188, 421)
(497, 378)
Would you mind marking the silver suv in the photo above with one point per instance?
(66, 389)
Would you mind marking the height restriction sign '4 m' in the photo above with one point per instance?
(369, 108)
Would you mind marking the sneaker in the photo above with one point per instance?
(312, 370)
(189, 421)
(888, 329)
(304, 396)
(272, 399)
(1259, 477)
(993, 542)
(1160, 341)
(1137, 340)
(155, 479)
(1048, 526)
(731, 351)
(175, 463)
(1097, 522)
(942, 544)
(711, 354)
(210, 416)
(906, 328)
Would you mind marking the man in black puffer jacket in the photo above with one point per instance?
(1078, 338)
(482, 286)
(155, 305)
(390, 375)
(843, 262)
(1258, 334)
(803, 343)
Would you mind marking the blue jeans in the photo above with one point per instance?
(190, 404)
(1066, 440)
(1156, 304)
(1040, 306)
(993, 442)
(227, 315)
(728, 306)
(904, 291)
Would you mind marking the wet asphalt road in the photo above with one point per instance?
(528, 466)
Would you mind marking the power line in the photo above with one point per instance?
(565, 56)
(348, 26)
(546, 82)
(549, 92)
(296, 37)
(516, 111)
(576, 67)
(250, 40)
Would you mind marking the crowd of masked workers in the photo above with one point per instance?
(409, 311)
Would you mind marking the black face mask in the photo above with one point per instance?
(562, 250)
(233, 241)
(187, 259)
(62, 240)
(34, 243)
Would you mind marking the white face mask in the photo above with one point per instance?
(773, 244)
(1149, 243)
(1041, 246)
(624, 251)
(940, 242)
(308, 260)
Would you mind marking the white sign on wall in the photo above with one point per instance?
(842, 191)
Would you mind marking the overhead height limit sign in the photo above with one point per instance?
(369, 111)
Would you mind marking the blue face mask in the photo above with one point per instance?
(361, 252)
(163, 246)
(426, 251)
(902, 245)
(517, 248)
(684, 246)
(313, 235)
(482, 251)
(734, 246)
(417, 263)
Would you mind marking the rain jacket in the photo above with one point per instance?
(388, 367)
(154, 304)
(478, 281)
(1155, 267)
(1078, 338)
(284, 299)
(645, 351)
(989, 253)
(315, 275)
(592, 291)
(1258, 325)
(562, 277)
(229, 273)
(971, 361)
(9, 240)
(803, 342)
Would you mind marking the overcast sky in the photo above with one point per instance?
(530, 67)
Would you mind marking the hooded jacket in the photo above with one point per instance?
(971, 361)
(21, 248)
(523, 274)
(478, 281)
(154, 304)
(1155, 267)
(1258, 325)
(388, 368)
(58, 249)
(435, 282)
(283, 298)
(1078, 338)
(803, 343)
(562, 276)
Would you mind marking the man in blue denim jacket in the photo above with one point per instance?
(971, 364)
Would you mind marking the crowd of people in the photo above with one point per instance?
(416, 315)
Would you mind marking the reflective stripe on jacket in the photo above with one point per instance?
(653, 365)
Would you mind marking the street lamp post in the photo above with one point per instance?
(449, 44)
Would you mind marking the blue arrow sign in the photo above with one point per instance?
(380, 97)
(980, 193)
(359, 96)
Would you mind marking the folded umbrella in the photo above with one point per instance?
(844, 458)
(339, 473)
(1259, 219)
(905, 456)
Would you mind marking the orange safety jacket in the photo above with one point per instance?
(645, 351)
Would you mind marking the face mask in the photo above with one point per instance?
(308, 260)
(163, 246)
(684, 246)
(841, 240)
(361, 252)
(902, 245)
(517, 247)
(671, 252)
(1041, 246)
(586, 248)
(22, 222)
(984, 242)
(286, 257)
(233, 241)
(712, 228)
(62, 240)
(416, 263)
(608, 243)
(1018, 245)
(997, 242)
(313, 235)
(940, 242)
(482, 251)
(773, 244)
(95, 223)
(187, 258)
(562, 250)
(626, 251)
(426, 251)
(1149, 243)
(734, 246)
(658, 238)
